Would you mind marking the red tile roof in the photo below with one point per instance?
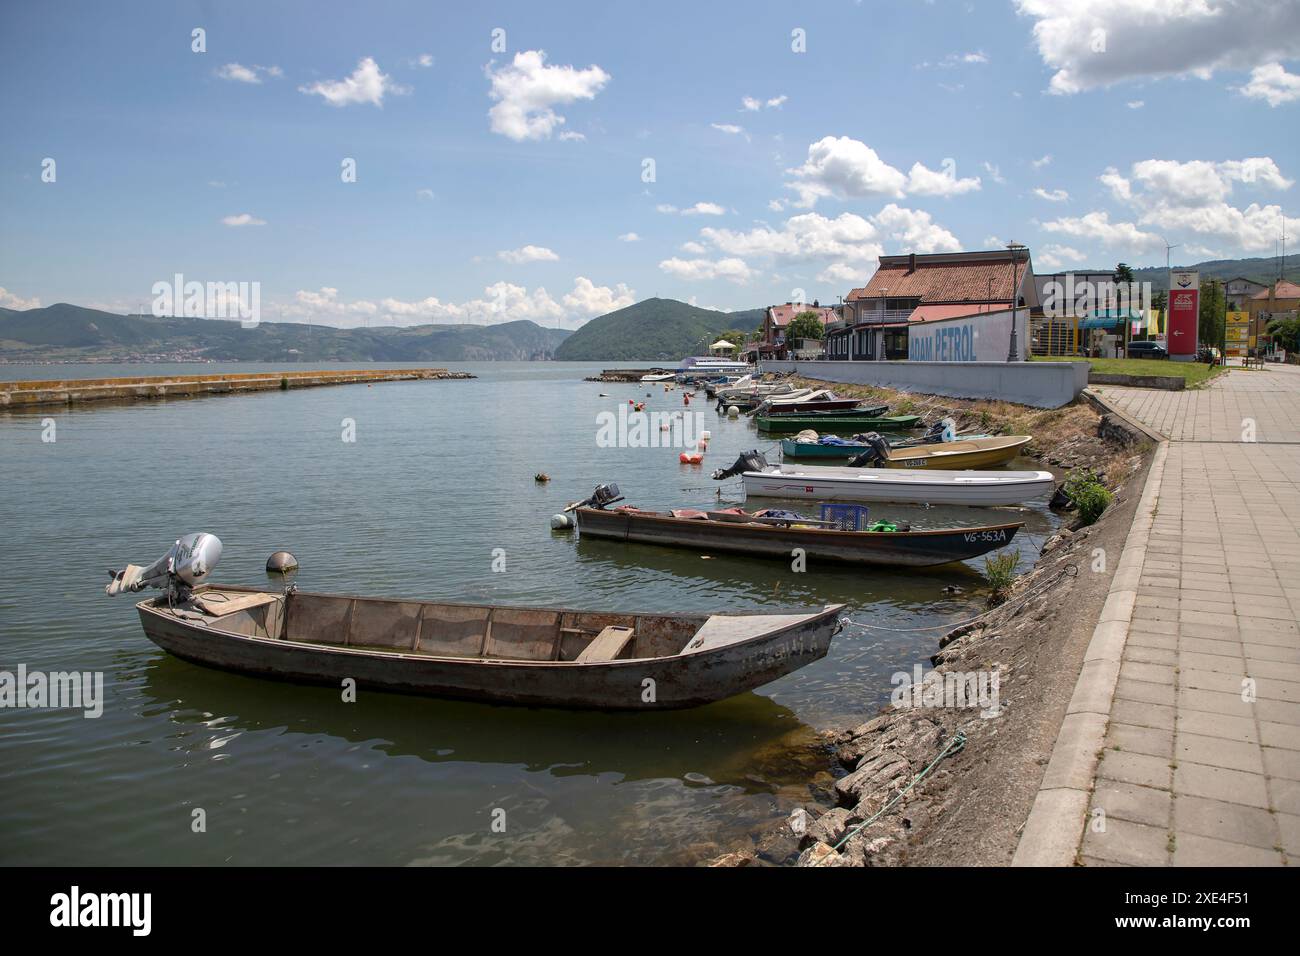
(929, 313)
(782, 314)
(975, 281)
(1283, 290)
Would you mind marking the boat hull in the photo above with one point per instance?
(854, 423)
(976, 453)
(792, 448)
(687, 679)
(845, 406)
(888, 548)
(935, 487)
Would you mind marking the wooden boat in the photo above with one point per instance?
(730, 532)
(796, 448)
(913, 486)
(983, 452)
(840, 406)
(546, 657)
(844, 421)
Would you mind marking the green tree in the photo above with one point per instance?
(1287, 333)
(1123, 273)
(1210, 325)
(805, 325)
(735, 336)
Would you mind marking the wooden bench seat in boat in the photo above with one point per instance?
(460, 631)
(607, 645)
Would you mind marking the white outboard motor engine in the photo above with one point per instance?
(184, 567)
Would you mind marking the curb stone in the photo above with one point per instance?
(1053, 833)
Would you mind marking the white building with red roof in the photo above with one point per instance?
(770, 340)
(912, 288)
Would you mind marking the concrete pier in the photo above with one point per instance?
(75, 391)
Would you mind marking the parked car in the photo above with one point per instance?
(1147, 350)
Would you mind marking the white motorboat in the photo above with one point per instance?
(905, 485)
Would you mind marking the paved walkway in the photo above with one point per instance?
(1201, 760)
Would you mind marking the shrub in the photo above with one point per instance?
(1001, 572)
(1088, 494)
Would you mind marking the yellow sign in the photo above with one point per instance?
(1237, 333)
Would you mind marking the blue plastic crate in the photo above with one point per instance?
(846, 517)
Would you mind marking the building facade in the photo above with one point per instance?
(910, 289)
(770, 340)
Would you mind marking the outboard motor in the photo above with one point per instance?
(752, 460)
(185, 566)
(602, 497)
(877, 452)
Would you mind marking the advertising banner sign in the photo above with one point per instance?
(1237, 333)
(1184, 315)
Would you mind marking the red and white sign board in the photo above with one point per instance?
(1184, 314)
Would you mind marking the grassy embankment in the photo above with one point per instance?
(1195, 374)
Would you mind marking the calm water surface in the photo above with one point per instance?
(440, 475)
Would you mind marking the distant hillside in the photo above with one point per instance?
(71, 333)
(1263, 269)
(654, 330)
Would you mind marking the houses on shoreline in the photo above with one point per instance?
(914, 303)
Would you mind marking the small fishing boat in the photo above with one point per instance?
(659, 377)
(827, 408)
(981, 452)
(545, 657)
(756, 534)
(906, 485)
(849, 421)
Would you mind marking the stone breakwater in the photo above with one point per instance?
(624, 374)
(76, 391)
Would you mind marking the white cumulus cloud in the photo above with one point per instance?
(732, 269)
(366, 84)
(10, 300)
(1095, 43)
(243, 219)
(1272, 84)
(247, 74)
(527, 254)
(501, 302)
(528, 90)
(846, 168)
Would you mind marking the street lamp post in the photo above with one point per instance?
(1013, 350)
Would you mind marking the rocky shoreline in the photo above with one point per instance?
(967, 807)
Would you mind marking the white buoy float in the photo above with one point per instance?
(561, 522)
(282, 562)
(733, 412)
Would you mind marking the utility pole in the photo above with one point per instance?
(1013, 350)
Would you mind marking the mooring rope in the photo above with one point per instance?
(1070, 570)
(955, 745)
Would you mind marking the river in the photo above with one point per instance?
(437, 483)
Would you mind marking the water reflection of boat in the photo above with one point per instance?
(727, 737)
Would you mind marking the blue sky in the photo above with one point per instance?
(501, 184)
